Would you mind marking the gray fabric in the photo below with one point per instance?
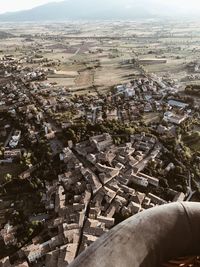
(147, 239)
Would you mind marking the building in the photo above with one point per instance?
(15, 153)
(177, 104)
(151, 180)
(101, 142)
(15, 139)
(139, 180)
(180, 196)
(174, 118)
(156, 200)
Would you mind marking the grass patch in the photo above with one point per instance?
(192, 141)
(152, 117)
(13, 169)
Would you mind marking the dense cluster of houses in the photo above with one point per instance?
(103, 183)
(128, 102)
(97, 187)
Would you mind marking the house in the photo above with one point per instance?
(156, 200)
(15, 153)
(129, 92)
(91, 158)
(138, 197)
(15, 139)
(34, 255)
(112, 172)
(120, 88)
(180, 196)
(26, 174)
(171, 130)
(109, 222)
(66, 155)
(146, 202)
(139, 180)
(9, 239)
(101, 142)
(69, 254)
(134, 207)
(22, 264)
(177, 104)
(8, 235)
(112, 114)
(60, 200)
(92, 179)
(50, 135)
(152, 180)
(174, 118)
(5, 262)
(94, 227)
(170, 167)
(148, 108)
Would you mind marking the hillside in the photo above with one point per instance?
(85, 9)
(104, 9)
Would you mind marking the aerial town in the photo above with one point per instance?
(95, 126)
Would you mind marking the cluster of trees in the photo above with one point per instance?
(193, 89)
(82, 131)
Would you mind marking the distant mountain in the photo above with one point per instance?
(94, 9)
(78, 9)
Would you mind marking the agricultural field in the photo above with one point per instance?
(104, 54)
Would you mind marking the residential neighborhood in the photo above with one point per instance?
(77, 161)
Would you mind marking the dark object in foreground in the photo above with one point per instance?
(184, 262)
(148, 239)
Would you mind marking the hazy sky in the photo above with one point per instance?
(179, 5)
(15, 5)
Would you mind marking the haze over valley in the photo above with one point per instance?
(102, 9)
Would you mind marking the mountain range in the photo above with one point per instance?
(96, 10)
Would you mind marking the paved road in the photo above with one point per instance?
(190, 193)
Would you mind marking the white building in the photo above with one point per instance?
(174, 118)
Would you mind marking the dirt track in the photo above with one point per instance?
(85, 78)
